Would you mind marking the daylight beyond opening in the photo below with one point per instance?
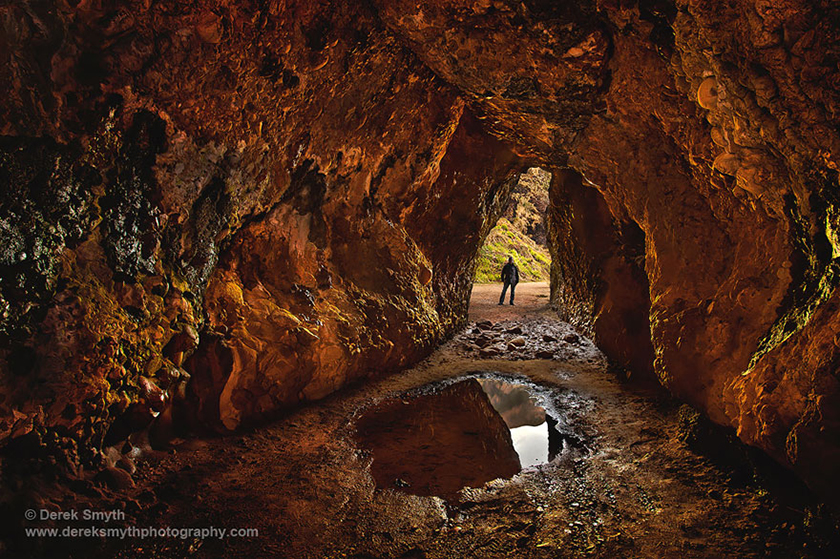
(520, 233)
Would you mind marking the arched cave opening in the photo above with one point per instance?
(229, 231)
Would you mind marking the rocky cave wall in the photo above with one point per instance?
(229, 207)
(598, 282)
(738, 220)
(275, 198)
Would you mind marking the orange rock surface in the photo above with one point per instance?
(234, 207)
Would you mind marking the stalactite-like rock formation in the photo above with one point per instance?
(239, 206)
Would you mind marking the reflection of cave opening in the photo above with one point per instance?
(460, 435)
(520, 232)
(533, 432)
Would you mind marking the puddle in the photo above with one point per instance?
(533, 434)
(460, 435)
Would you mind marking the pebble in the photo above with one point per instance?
(483, 341)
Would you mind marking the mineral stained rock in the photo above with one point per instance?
(233, 207)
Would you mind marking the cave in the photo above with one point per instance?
(230, 229)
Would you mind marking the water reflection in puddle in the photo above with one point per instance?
(531, 428)
(462, 435)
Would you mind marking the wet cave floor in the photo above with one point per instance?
(621, 477)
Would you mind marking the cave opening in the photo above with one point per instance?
(517, 232)
(520, 232)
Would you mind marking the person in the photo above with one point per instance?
(510, 277)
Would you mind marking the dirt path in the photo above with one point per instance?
(632, 487)
(531, 300)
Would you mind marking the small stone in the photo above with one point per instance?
(184, 341)
(111, 455)
(516, 342)
(707, 93)
(727, 163)
(514, 330)
(483, 341)
(572, 338)
(152, 394)
(133, 452)
(484, 325)
(545, 355)
(425, 275)
(549, 338)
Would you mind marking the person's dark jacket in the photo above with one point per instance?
(510, 273)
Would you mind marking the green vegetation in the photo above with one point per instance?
(520, 233)
(505, 240)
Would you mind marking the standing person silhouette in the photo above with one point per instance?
(510, 277)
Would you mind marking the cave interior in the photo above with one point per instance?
(216, 216)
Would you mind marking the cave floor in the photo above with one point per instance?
(636, 490)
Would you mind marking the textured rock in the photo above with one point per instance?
(598, 282)
(532, 69)
(735, 267)
(260, 186)
(268, 201)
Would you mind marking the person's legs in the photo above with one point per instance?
(504, 290)
(512, 290)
